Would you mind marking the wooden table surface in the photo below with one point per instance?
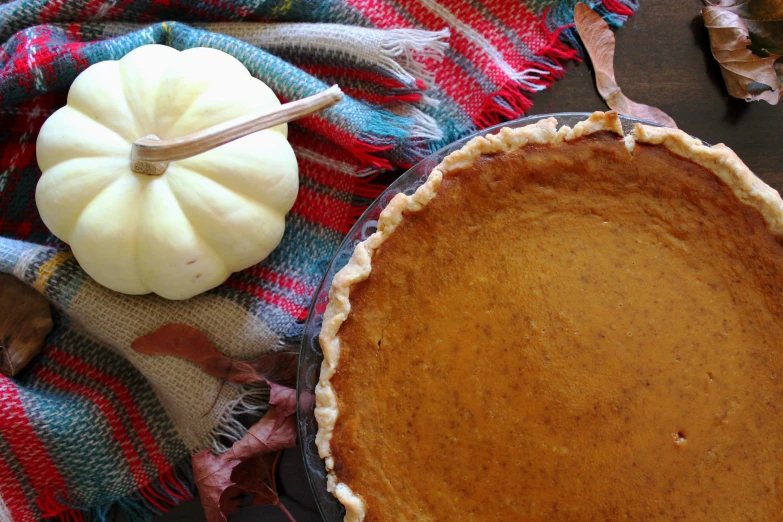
(662, 59)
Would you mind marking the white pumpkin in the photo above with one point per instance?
(185, 231)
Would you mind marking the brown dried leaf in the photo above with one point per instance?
(187, 342)
(258, 477)
(599, 41)
(25, 321)
(213, 479)
(748, 75)
(284, 398)
(273, 432)
(248, 467)
(764, 20)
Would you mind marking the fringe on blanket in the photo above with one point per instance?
(396, 52)
(155, 499)
(512, 99)
(393, 56)
(241, 413)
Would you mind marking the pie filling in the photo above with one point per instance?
(568, 332)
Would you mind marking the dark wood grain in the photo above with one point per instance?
(663, 59)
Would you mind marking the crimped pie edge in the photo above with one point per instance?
(718, 159)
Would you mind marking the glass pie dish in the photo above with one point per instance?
(310, 352)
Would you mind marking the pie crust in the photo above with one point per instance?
(718, 159)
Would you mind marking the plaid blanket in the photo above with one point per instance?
(90, 424)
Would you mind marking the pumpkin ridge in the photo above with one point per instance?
(74, 113)
(75, 246)
(206, 57)
(196, 232)
(137, 124)
(82, 106)
(103, 125)
(264, 205)
(163, 55)
(164, 132)
(141, 203)
(196, 222)
(67, 235)
(223, 85)
(203, 242)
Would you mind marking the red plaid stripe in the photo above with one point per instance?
(25, 444)
(123, 397)
(107, 409)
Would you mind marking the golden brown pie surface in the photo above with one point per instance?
(567, 332)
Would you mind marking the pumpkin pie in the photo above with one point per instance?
(562, 324)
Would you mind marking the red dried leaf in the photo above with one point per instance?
(187, 342)
(257, 476)
(249, 466)
(599, 41)
(273, 432)
(284, 398)
(231, 499)
(277, 367)
(737, 28)
(213, 478)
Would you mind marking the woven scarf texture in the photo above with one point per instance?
(92, 426)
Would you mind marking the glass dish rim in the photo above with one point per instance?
(345, 244)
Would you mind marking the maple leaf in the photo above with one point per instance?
(746, 38)
(249, 466)
(213, 477)
(599, 41)
(257, 476)
(187, 342)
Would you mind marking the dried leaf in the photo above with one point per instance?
(284, 398)
(599, 41)
(25, 321)
(248, 467)
(746, 38)
(231, 499)
(764, 20)
(257, 476)
(273, 432)
(187, 342)
(213, 478)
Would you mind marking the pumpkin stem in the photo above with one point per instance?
(150, 168)
(151, 156)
